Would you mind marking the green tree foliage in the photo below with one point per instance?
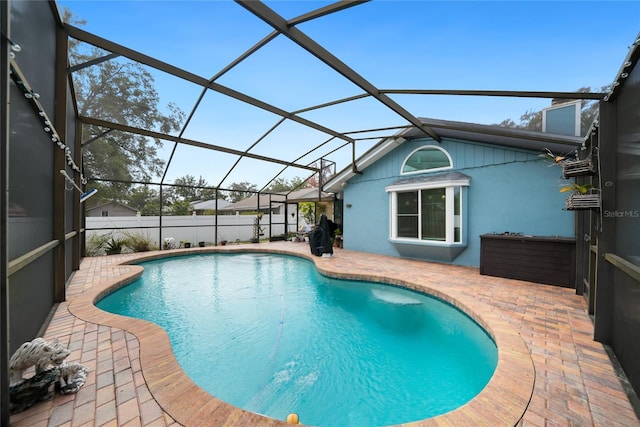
(120, 91)
(191, 189)
(187, 189)
(311, 211)
(177, 200)
(241, 190)
(280, 185)
(145, 199)
(179, 207)
(244, 189)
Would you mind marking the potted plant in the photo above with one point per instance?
(257, 230)
(168, 243)
(584, 196)
(551, 157)
(570, 168)
(201, 244)
(580, 167)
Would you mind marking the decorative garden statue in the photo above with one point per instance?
(51, 367)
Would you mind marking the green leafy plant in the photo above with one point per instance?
(577, 188)
(309, 210)
(583, 196)
(115, 245)
(95, 244)
(550, 156)
(138, 243)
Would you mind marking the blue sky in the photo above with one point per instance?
(499, 45)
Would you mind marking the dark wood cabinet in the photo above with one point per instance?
(540, 259)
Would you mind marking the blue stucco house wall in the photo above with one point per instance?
(510, 190)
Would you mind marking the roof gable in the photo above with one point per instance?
(111, 203)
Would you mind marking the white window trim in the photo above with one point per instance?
(449, 185)
(426, 170)
(459, 182)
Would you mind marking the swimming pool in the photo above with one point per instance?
(269, 334)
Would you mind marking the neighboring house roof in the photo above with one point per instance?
(308, 195)
(304, 195)
(206, 205)
(249, 204)
(103, 205)
(488, 134)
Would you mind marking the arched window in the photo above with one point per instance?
(429, 158)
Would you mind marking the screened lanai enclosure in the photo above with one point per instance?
(60, 140)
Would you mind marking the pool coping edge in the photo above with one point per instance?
(503, 401)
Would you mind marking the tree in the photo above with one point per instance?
(531, 120)
(327, 170)
(590, 110)
(179, 207)
(311, 211)
(280, 185)
(145, 199)
(240, 190)
(507, 123)
(120, 91)
(190, 189)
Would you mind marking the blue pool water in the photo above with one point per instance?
(269, 334)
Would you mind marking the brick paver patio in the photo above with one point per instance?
(561, 378)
